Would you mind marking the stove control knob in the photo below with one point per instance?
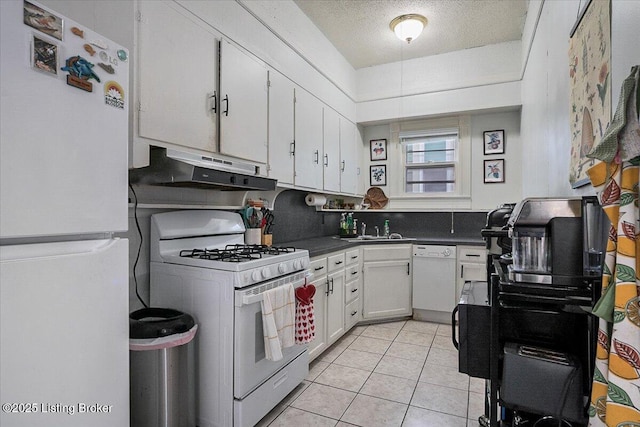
(266, 273)
(282, 268)
(297, 264)
(305, 263)
(256, 276)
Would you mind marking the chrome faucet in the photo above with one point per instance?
(377, 230)
(363, 227)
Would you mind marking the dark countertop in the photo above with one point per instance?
(324, 245)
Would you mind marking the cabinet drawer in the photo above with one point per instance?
(353, 256)
(472, 254)
(335, 262)
(387, 252)
(351, 314)
(352, 273)
(318, 267)
(352, 291)
(472, 271)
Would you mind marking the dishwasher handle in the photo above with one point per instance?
(453, 326)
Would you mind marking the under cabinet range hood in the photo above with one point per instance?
(182, 169)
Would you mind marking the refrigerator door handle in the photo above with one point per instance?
(46, 250)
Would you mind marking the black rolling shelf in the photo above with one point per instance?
(510, 300)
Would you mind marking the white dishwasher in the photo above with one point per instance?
(434, 277)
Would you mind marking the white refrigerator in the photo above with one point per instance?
(64, 357)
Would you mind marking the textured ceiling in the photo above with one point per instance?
(359, 29)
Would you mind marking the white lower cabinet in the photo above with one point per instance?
(352, 288)
(337, 302)
(472, 265)
(335, 306)
(318, 267)
(387, 281)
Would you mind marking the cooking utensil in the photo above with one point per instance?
(268, 219)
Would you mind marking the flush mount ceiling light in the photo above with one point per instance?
(408, 27)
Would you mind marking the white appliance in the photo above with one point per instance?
(200, 265)
(64, 290)
(434, 277)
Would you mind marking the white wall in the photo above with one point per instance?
(545, 92)
(486, 65)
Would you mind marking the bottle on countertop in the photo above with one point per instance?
(386, 228)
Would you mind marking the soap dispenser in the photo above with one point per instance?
(386, 228)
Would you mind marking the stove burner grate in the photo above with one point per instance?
(235, 253)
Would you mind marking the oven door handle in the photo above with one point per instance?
(453, 326)
(252, 298)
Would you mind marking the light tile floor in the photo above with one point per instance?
(394, 374)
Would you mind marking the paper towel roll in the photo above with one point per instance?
(315, 200)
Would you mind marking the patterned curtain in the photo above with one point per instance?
(615, 396)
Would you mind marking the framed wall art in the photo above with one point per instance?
(378, 175)
(494, 142)
(378, 149)
(493, 171)
(44, 55)
(589, 85)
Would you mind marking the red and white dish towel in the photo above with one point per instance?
(305, 321)
(277, 321)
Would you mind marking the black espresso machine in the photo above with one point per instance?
(528, 330)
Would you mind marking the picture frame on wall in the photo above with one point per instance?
(378, 149)
(494, 142)
(378, 175)
(493, 171)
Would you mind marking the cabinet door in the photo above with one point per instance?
(331, 146)
(308, 133)
(281, 138)
(468, 271)
(471, 266)
(319, 343)
(335, 307)
(387, 289)
(243, 105)
(362, 177)
(177, 77)
(349, 162)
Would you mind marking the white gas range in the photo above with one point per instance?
(200, 265)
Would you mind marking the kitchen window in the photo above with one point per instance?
(430, 161)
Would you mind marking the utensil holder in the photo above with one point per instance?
(252, 236)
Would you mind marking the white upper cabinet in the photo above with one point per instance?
(331, 145)
(349, 164)
(243, 105)
(177, 77)
(308, 137)
(281, 136)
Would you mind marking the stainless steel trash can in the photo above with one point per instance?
(161, 368)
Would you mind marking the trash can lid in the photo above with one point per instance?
(154, 322)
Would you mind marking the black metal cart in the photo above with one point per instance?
(537, 335)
